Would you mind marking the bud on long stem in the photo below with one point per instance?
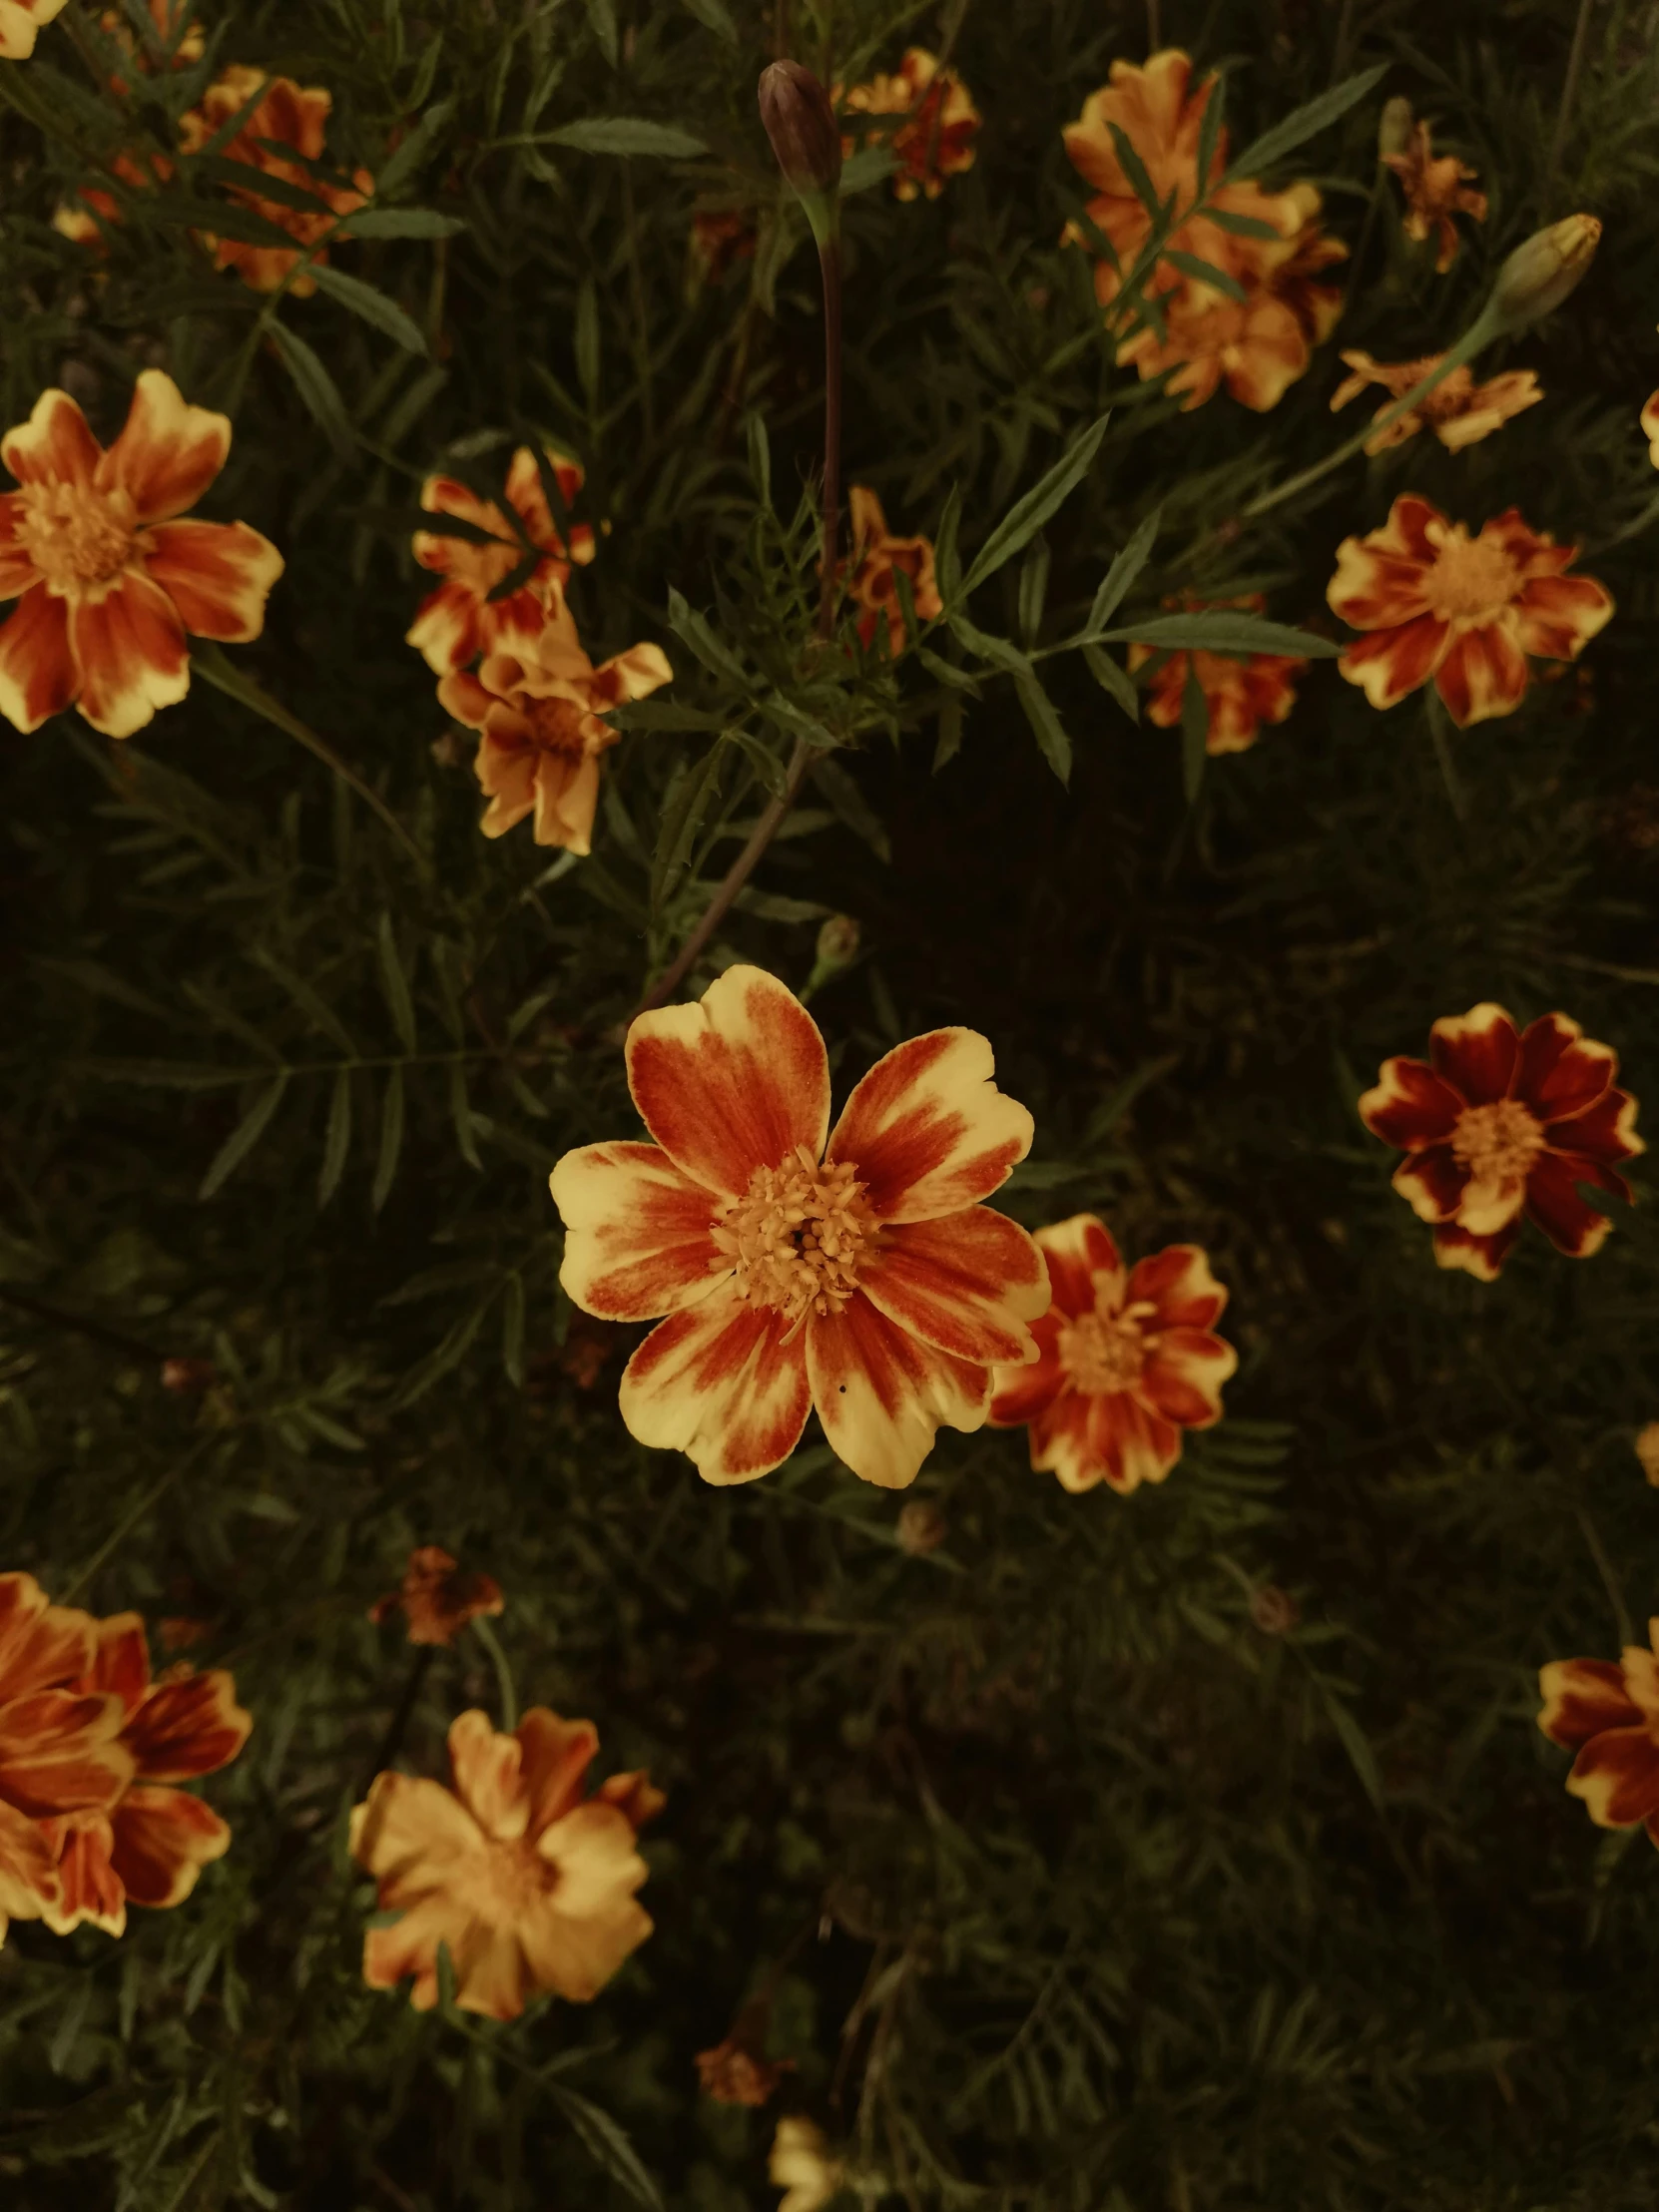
(1542, 270)
(806, 139)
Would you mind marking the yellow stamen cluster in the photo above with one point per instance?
(74, 535)
(1103, 1353)
(1499, 1142)
(795, 1236)
(1469, 578)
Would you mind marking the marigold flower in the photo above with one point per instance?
(735, 2071)
(800, 2165)
(109, 579)
(1127, 1360)
(1499, 1122)
(437, 1599)
(96, 210)
(1459, 410)
(183, 41)
(1608, 1711)
(1649, 419)
(530, 1884)
(1437, 188)
(936, 140)
(1239, 695)
(861, 1277)
(150, 1846)
(459, 621)
(21, 22)
(1464, 611)
(720, 236)
(877, 558)
(290, 115)
(538, 708)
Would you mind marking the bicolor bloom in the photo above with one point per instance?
(1239, 695)
(528, 1881)
(108, 576)
(1459, 410)
(1128, 1359)
(1608, 1711)
(800, 2165)
(1436, 188)
(437, 1599)
(1463, 611)
(96, 210)
(182, 42)
(1649, 419)
(538, 710)
(935, 141)
(1500, 1123)
(461, 620)
(289, 116)
(150, 1846)
(859, 1276)
(878, 558)
(21, 23)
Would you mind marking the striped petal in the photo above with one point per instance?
(556, 1754)
(1482, 675)
(882, 1394)
(1561, 1071)
(1077, 1251)
(89, 1889)
(1605, 1131)
(1557, 616)
(38, 676)
(1584, 1698)
(725, 1383)
(59, 1754)
(1481, 1257)
(1020, 1394)
(1552, 1202)
(162, 1840)
(1179, 1286)
(1183, 1377)
(130, 647)
(638, 1240)
(969, 1285)
(1617, 1776)
(54, 447)
(218, 575)
(1476, 1052)
(1390, 663)
(927, 1132)
(169, 452)
(28, 1871)
(186, 1728)
(41, 1646)
(1433, 1184)
(1410, 1106)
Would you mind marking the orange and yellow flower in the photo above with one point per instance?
(437, 1599)
(942, 122)
(460, 621)
(95, 209)
(1437, 188)
(1500, 1123)
(1459, 410)
(538, 709)
(107, 574)
(1239, 696)
(861, 1276)
(286, 114)
(1608, 1711)
(721, 236)
(800, 2165)
(529, 1882)
(1650, 427)
(1466, 611)
(878, 560)
(182, 41)
(21, 23)
(1127, 1359)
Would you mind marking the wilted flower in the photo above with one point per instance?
(1499, 1122)
(878, 560)
(294, 116)
(1127, 1360)
(1543, 269)
(936, 139)
(1647, 1451)
(800, 2165)
(21, 22)
(461, 620)
(108, 580)
(1464, 611)
(1459, 410)
(437, 1599)
(861, 1276)
(1239, 695)
(539, 707)
(529, 1884)
(1436, 188)
(1608, 1711)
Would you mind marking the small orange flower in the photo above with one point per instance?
(95, 209)
(461, 620)
(1608, 1711)
(539, 710)
(289, 115)
(1435, 190)
(936, 139)
(1239, 695)
(182, 41)
(437, 1599)
(108, 578)
(150, 1846)
(800, 2165)
(529, 1884)
(1501, 1122)
(877, 558)
(1127, 1360)
(1459, 410)
(21, 22)
(854, 1271)
(1650, 427)
(735, 2071)
(720, 236)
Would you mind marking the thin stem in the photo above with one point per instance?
(1570, 84)
(1438, 731)
(1609, 1581)
(124, 1528)
(1345, 34)
(392, 1742)
(1154, 27)
(94, 1330)
(503, 1673)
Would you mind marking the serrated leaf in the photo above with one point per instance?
(852, 808)
(685, 808)
(317, 1012)
(1047, 725)
(602, 22)
(1305, 123)
(1123, 573)
(244, 1136)
(1223, 631)
(626, 134)
(1113, 680)
(1206, 272)
(1140, 183)
(998, 652)
(715, 16)
(400, 165)
(404, 223)
(1027, 516)
(370, 306)
(338, 1141)
(694, 629)
(317, 389)
(606, 2143)
(395, 984)
(391, 1140)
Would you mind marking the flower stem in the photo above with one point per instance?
(392, 1740)
(503, 1673)
(1569, 85)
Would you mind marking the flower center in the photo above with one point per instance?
(75, 536)
(556, 725)
(1469, 578)
(1497, 1143)
(795, 1236)
(1103, 1353)
(506, 1880)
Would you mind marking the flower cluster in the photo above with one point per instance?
(937, 126)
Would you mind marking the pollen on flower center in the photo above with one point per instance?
(1102, 1352)
(506, 1880)
(1497, 1142)
(556, 725)
(1469, 578)
(797, 1236)
(74, 535)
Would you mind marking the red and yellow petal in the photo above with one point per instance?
(18, 573)
(121, 1661)
(968, 1283)
(28, 1868)
(927, 1132)
(54, 447)
(162, 1840)
(1483, 674)
(1605, 1131)
(41, 1646)
(737, 1082)
(169, 452)
(1380, 578)
(1183, 1377)
(89, 1889)
(447, 630)
(1572, 1226)
(1078, 1251)
(1560, 1071)
(1390, 663)
(129, 644)
(59, 1754)
(1409, 1106)
(1617, 1776)
(724, 1381)
(1476, 1053)
(882, 1394)
(1582, 1698)
(1020, 1394)
(555, 1756)
(188, 1728)
(1111, 1439)
(1557, 616)
(218, 575)
(38, 676)
(1432, 1183)
(1483, 1257)
(638, 1233)
(1179, 1286)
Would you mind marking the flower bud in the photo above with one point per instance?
(1393, 129)
(1273, 1611)
(922, 1528)
(1542, 270)
(805, 138)
(837, 943)
(187, 1376)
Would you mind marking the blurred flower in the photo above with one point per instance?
(1497, 1123)
(530, 1883)
(1649, 419)
(838, 941)
(1543, 269)
(1647, 1451)
(21, 21)
(1436, 188)
(1393, 127)
(1464, 611)
(179, 1631)
(936, 140)
(921, 1527)
(459, 621)
(186, 1377)
(150, 1846)
(720, 236)
(735, 2071)
(1459, 410)
(108, 581)
(877, 558)
(289, 115)
(1608, 1711)
(1127, 1360)
(1273, 1610)
(437, 1599)
(861, 1277)
(182, 41)
(588, 1345)
(800, 2165)
(96, 210)
(539, 707)
(1239, 695)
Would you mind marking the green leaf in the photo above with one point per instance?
(689, 625)
(1033, 588)
(949, 743)
(606, 2143)
(317, 1012)
(395, 984)
(1356, 1744)
(1050, 733)
(1113, 680)
(602, 22)
(1206, 272)
(850, 805)
(587, 340)
(947, 561)
(685, 809)
(1027, 516)
(1209, 134)
(1241, 225)
(244, 1136)
(1220, 630)
(317, 389)
(997, 651)
(626, 134)
(404, 223)
(715, 16)
(336, 1142)
(442, 1361)
(460, 1111)
(512, 1329)
(1140, 183)
(391, 1140)
(1195, 735)
(1123, 573)
(399, 167)
(1305, 123)
(373, 306)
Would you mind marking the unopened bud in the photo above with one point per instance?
(1273, 1611)
(922, 1528)
(805, 138)
(1542, 270)
(187, 1376)
(1393, 129)
(837, 943)
(1647, 1451)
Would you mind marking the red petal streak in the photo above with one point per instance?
(1476, 1053)
(724, 1383)
(1582, 1698)
(188, 1728)
(130, 645)
(447, 631)
(121, 1664)
(18, 573)
(38, 677)
(1572, 1226)
(89, 1889)
(927, 1132)
(1481, 1257)
(882, 1394)
(1605, 1132)
(1389, 664)
(218, 574)
(54, 447)
(1020, 1394)
(58, 1753)
(1560, 1070)
(556, 1754)
(637, 1232)
(169, 452)
(1432, 1183)
(28, 1874)
(1410, 1106)
(1617, 1776)
(41, 1646)
(1179, 1286)
(1557, 616)
(1482, 675)
(1076, 1251)
(967, 1285)
(162, 1840)
(1183, 1377)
